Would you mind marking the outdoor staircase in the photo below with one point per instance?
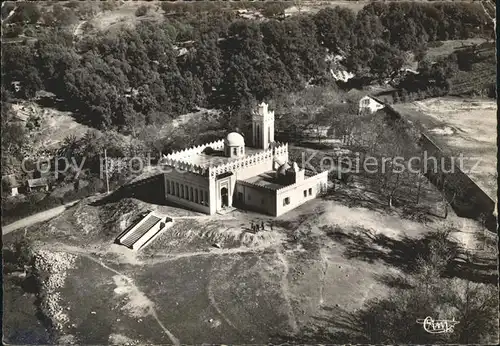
(144, 231)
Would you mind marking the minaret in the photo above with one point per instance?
(262, 127)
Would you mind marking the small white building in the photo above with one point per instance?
(10, 182)
(39, 184)
(369, 104)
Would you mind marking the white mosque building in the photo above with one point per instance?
(226, 174)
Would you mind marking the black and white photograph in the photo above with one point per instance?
(249, 172)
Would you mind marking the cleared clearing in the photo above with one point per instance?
(55, 125)
(450, 46)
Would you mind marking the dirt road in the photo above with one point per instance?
(40, 217)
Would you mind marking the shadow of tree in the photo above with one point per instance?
(394, 281)
(393, 319)
(380, 321)
(404, 253)
(437, 280)
(412, 212)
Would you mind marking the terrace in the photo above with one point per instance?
(216, 158)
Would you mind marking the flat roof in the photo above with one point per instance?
(37, 182)
(266, 180)
(216, 158)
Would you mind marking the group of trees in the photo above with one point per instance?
(130, 78)
(13, 136)
(428, 290)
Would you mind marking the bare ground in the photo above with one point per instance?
(256, 288)
(55, 125)
(465, 126)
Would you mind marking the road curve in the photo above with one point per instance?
(36, 218)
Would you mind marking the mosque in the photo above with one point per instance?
(223, 175)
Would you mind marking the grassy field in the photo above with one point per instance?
(450, 46)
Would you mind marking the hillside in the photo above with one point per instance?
(480, 79)
(267, 286)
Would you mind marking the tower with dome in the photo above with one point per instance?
(230, 173)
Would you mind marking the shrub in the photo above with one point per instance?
(141, 11)
(108, 5)
(86, 191)
(23, 252)
(17, 211)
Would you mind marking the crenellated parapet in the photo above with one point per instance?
(217, 145)
(183, 166)
(180, 159)
(267, 155)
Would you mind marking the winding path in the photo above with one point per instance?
(286, 292)
(152, 311)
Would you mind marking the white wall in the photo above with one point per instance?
(367, 104)
(256, 198)
(295, 192)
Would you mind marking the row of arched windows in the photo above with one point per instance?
(188, 193)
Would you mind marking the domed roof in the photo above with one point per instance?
(234, 139)
(283, 168)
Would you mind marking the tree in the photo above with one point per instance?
(205, 63)
(334, 28)
(393, 143)
(13, 133)
(27, 12)
(63, 16)
(141, 11)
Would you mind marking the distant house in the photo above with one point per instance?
(370, 104)
(10, 182)
(39, 184)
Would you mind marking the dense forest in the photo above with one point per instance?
(128, 78)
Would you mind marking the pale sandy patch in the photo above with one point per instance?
(138, 304)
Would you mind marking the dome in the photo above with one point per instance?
(234, 139)
(283, 168)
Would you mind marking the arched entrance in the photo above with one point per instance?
(224, 197)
